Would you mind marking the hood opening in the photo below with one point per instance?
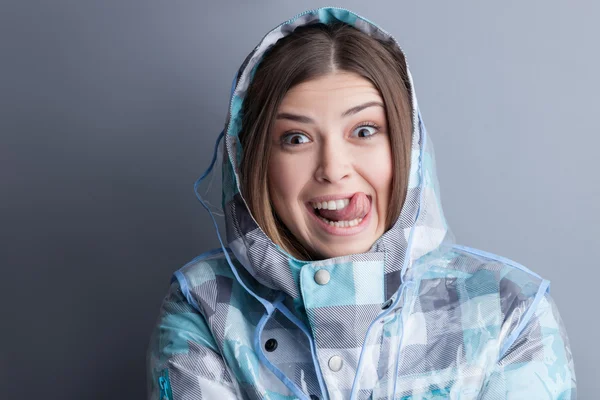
(419, 229)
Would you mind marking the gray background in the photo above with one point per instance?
(109, 110)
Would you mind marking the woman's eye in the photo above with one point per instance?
(364, 131)
(295, 139)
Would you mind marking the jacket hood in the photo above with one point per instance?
(420, 229)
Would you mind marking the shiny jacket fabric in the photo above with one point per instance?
(416, 317)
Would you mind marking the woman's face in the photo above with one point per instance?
(330, 168)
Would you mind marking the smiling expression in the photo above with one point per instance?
(330, 165)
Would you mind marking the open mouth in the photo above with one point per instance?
(345, 212)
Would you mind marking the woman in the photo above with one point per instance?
(341, 279)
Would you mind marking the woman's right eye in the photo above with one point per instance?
(294, 139)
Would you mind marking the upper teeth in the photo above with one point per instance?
(331, 204)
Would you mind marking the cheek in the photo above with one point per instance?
(379, 172)
(285, 181)
(386, 172)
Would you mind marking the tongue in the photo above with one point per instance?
(359, 207)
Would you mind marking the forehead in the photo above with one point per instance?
(338, 88)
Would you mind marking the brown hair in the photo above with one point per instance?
(306, 53)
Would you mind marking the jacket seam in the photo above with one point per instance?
(542, 290)
(185, 289)
(496, 257)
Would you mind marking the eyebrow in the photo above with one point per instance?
(307, 120)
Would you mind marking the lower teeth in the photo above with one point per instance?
(342, 224)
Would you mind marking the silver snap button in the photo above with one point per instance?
(335, 363)
(322, 277)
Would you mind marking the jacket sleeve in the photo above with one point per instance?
(183, 360)
(538, 364)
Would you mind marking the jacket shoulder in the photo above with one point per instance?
(518, 290)
(512, 279)
(215, 281)
(206, 280)
(472, 276)
(210, 268)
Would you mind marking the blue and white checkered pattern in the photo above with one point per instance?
(416, 317)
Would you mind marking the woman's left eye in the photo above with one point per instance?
(364, 131)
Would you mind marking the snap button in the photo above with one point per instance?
(271, 345)
(335, 363)
(386, 305)
(322, 277)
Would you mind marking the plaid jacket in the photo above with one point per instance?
(416, 317)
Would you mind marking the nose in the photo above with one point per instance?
(334, 163)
